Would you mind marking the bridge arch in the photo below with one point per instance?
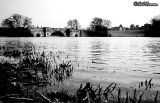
(57, 33)
(38, 35)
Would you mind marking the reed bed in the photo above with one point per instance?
(98, 94)
(29, 70)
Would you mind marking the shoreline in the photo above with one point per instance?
(124, 78)
(82, 77)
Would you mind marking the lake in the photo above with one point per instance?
(121, 59)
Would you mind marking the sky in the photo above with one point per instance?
(56, 13)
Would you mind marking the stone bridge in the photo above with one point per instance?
(48, 32)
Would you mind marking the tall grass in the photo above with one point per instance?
(26, 67)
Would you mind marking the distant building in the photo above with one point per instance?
(120, 27)
(145, 27)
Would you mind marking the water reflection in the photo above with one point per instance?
(153, 53)
(142, 54)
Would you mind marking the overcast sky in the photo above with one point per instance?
(56, 13)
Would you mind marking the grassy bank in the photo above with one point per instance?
(127, 33)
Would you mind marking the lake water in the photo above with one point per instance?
(131, 54)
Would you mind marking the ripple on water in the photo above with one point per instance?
(100, 53)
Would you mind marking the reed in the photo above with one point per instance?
(140, 97)
(119, 95)
(155, 99)
(126, 99)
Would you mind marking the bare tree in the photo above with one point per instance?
(73, 24)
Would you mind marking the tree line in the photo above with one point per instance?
(96, 25)
(20, 21)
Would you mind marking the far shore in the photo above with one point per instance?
(127, 33)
